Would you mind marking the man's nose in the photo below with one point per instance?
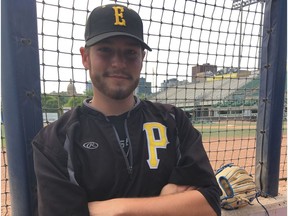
(118, 60)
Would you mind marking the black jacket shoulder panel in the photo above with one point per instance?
(56, 133)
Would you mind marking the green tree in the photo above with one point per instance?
(75, 101)
(88, 93)
(49, 103)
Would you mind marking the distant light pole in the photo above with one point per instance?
(240, 4)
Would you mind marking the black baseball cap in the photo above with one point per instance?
(113, 20)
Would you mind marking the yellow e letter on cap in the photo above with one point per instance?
(118, 12)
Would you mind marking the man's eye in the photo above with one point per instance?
(131, 53)
(105, 49)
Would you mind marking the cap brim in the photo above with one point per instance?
(98, 38)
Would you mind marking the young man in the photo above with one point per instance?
(118, 155)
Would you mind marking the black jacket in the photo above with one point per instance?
(78, 158)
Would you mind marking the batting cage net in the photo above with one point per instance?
(205, 60)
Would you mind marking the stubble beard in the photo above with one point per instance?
(118, 92)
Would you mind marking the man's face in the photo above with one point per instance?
(114, 65)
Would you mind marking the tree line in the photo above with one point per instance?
(56, 102)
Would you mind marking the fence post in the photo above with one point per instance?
(21, 100)
(271, 97)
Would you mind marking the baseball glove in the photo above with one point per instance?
(238, 187)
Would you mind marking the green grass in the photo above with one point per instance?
(239, 133)
(222, 130)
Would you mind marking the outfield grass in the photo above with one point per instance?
(222, 134)
(224, 129)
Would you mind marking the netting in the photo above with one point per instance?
(205, 60)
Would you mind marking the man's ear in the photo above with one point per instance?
(85, 57)
(143, 54)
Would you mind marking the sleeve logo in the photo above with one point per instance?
(155, 142)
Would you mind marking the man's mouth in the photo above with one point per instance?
(118, 76)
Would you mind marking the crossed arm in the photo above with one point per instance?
(174, 200)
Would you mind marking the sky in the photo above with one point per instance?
(181, 36)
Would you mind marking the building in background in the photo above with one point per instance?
(143, 88)
(172, 82)
(205, 69)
